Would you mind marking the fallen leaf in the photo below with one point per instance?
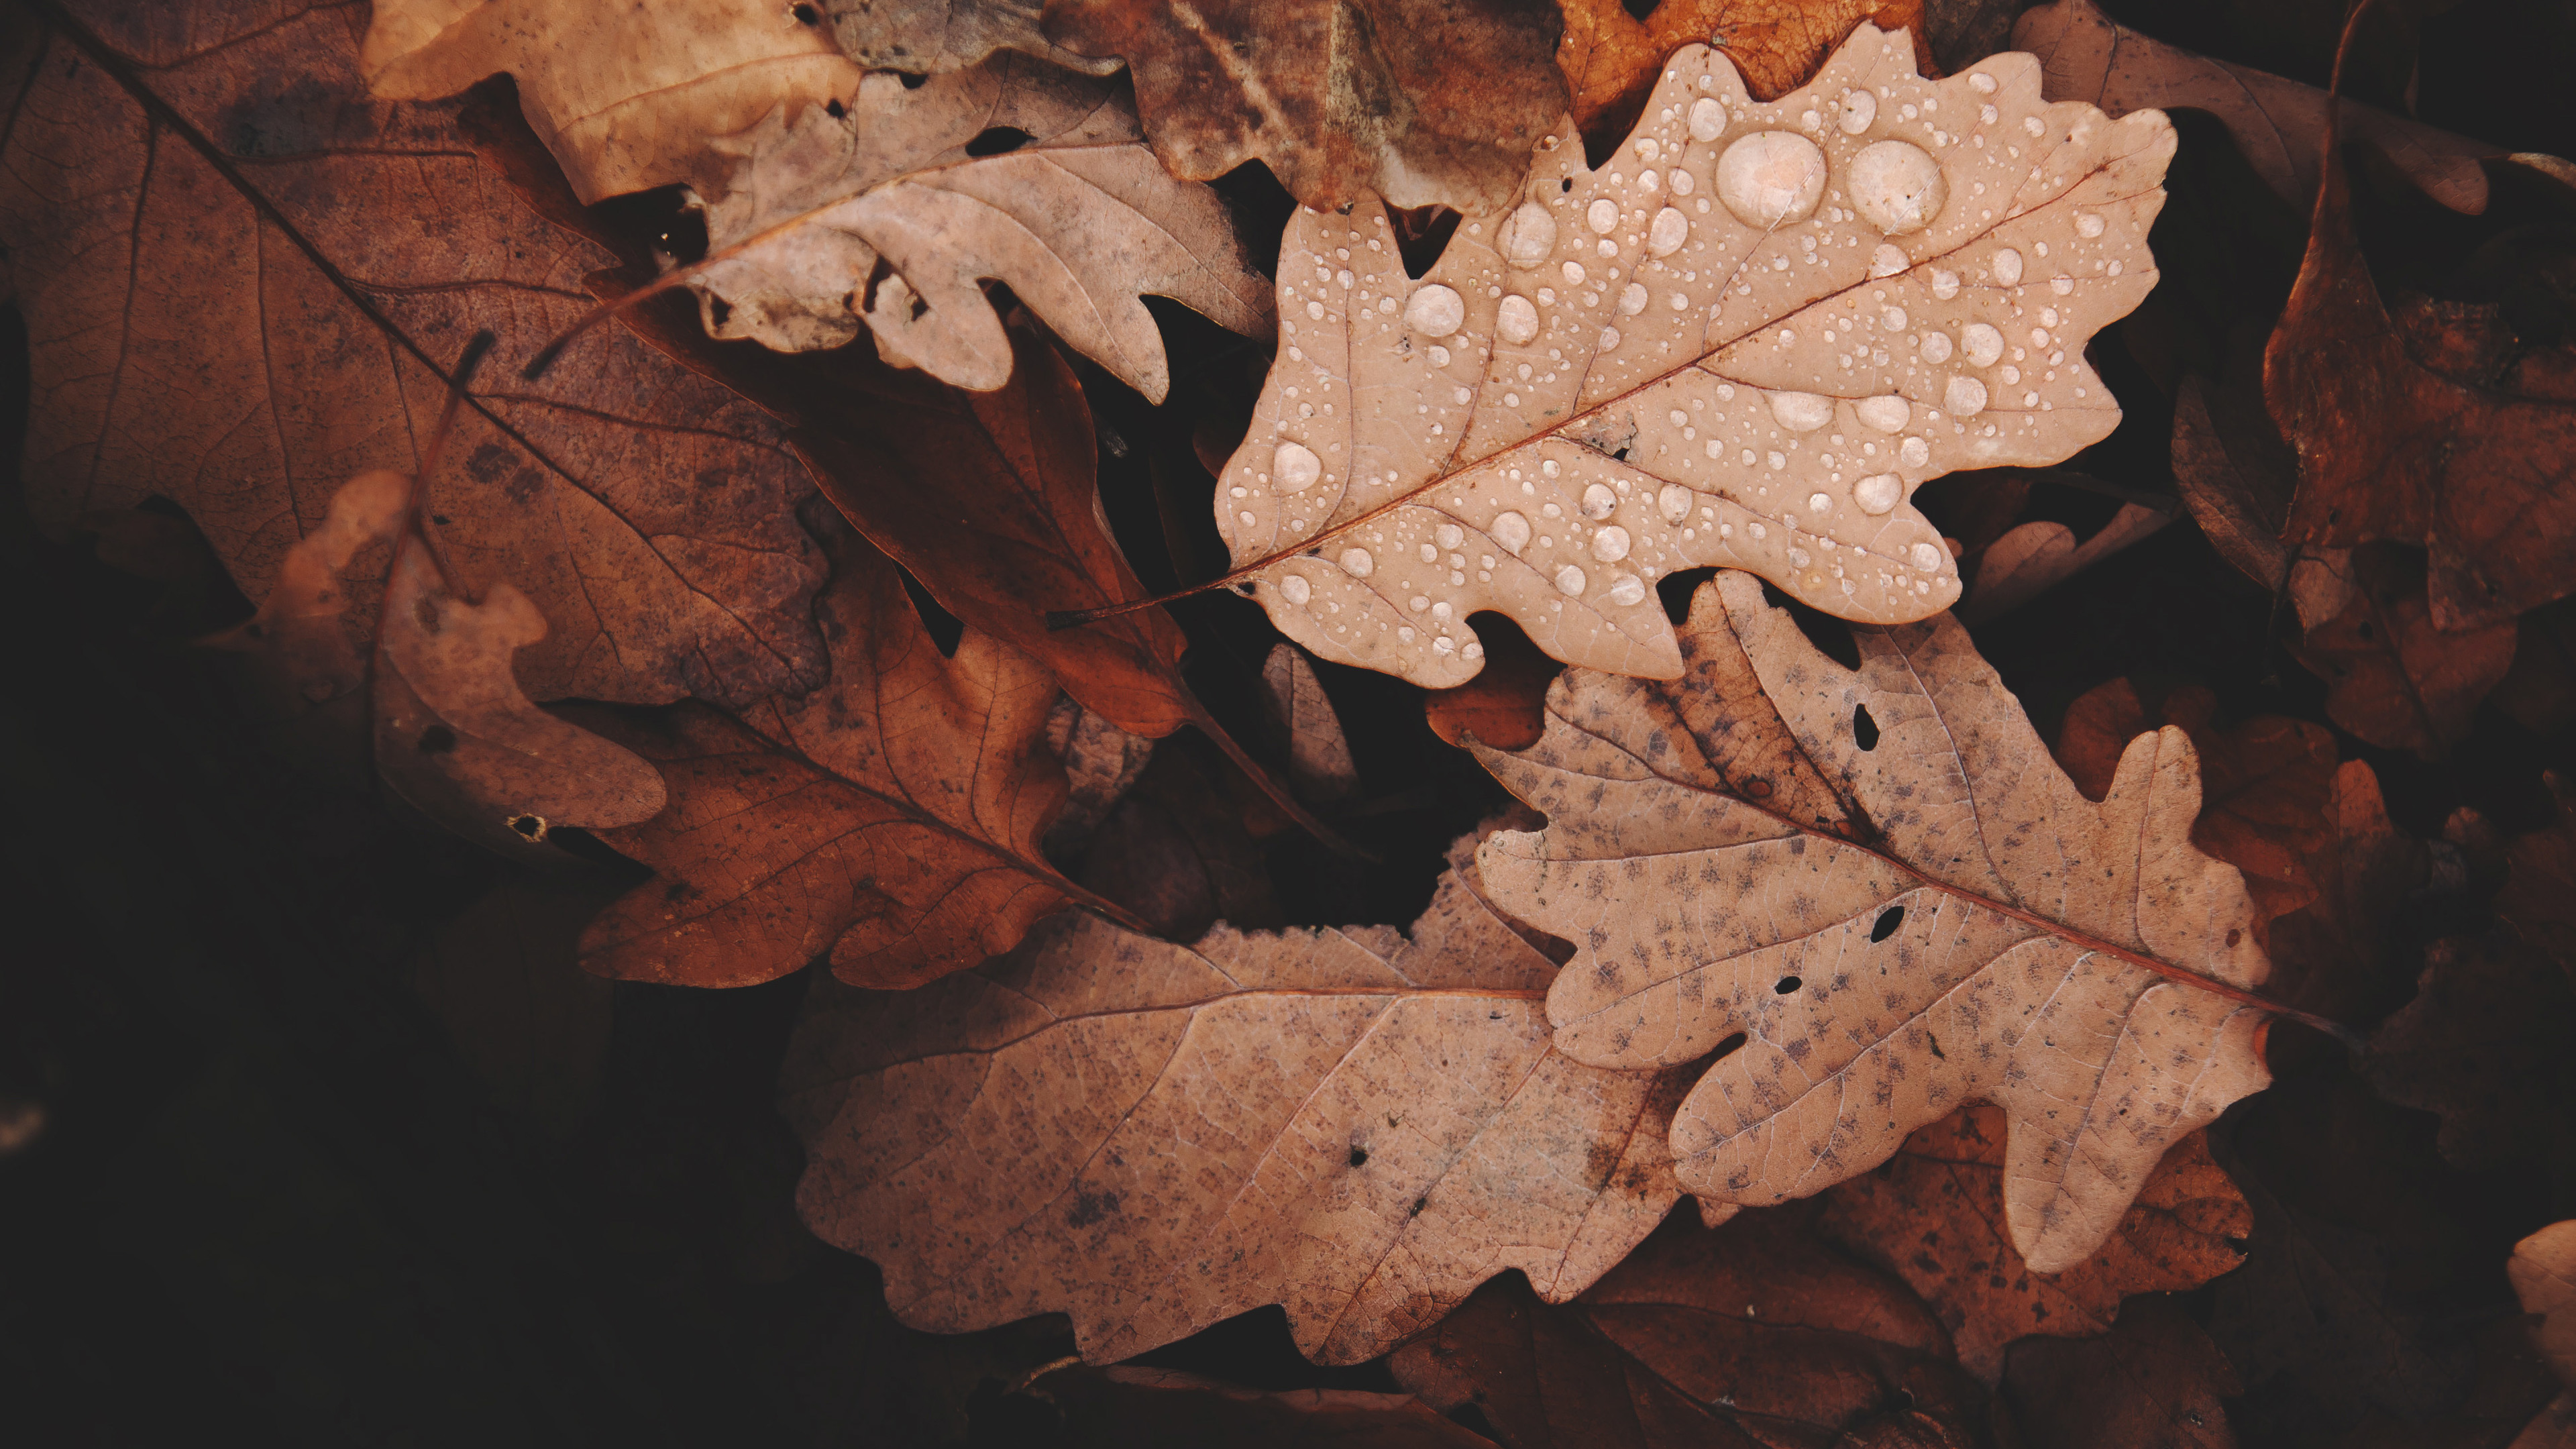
(2539, 895)
(2484, 1045)
(1149, 1408)
(1505, 705)
(2543, 1269)
(2279, 125)
(1611, 57)
(932, 37)
(624, 106)
(2155, 1382)
(532, 1026)
(890, 818)
(240, 325)
(1306, 728)
(1152, 1137)
(2236, 475)
(2430, 426)
(1179, 853)
(1421, 102)
(308, 644)
(2393, 674)
(2038, 556)
(1752, 1334)
(1383, 496)
(889, 215)
(1877, 899)
(2344, 954)
(1934, 1215)
(1101, 764)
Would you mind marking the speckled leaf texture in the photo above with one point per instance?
(1745, 341)
(1876, 898)
(1359, 1125)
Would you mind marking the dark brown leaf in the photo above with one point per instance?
(2486, 1045)
(2393, 675)
(1611, 54)
(2155, 1382)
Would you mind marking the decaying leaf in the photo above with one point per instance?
(2279, 125)
(1302, 718)
(2393, 675)
(2235, 475)
(1752, 1334)
(1355, 1124)
(1610, 56)
(1877, 899)
(1101, 763)
(2155, 1382)
(1934, 1215)
(890, 818)
(2484, 1044)
(1180, 852)
(242, 280)
(933, 37)
(2431, 425)
(1745, 341)
(625, 103)
(885, 215)
(1421, 102)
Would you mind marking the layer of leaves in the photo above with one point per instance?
(933, 37)
(1934, 1215)
(1638, 371)
(1358, 1125)
(1611, 57)
(210, 323)
(2395, 675)
(1877, 899)
(2155, 1382)
(2484, 1046)
(1419, 102)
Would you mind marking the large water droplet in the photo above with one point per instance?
(1936, 347)
(1573, 272)
(1897, 186)
(1887, 261)
(1878, 493)
(1358, 561)
(1435, 311)
(1964, 397)
(1516, 319)
(2088, 224)
(1928, 556)
(1529, 236)
(1674, 502)
(1820, 503)
(1599, 502)
(1945, 285)
(1450, 535)
(1771, 178)
(1666, 235)
(1858, 110)
(2008, 267)
(1632, 299)
(1914, 452)
(1602, 216)
(1885, 414)
(1627, 590)
(1570, 580)
(1611, 544)
(1980, 344)
(1295, 467)
(1512, 531)
(1295, 589)
(1801, 412)
(1707, 119)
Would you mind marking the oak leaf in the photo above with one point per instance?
(1934, 1216)
(1306, 728)
(1747, 350)
(890, 818)
(2038, 556)
(1752, 1334)
(2154, 1382)
(1611, 57)
(2395, 675)
(2484, 1046)
(2539, 895)
(932, 37)
(2543, 1269)
(2346, 954)
(1358, 1125)
(1420, 102)
(1873, 894)
(242, 280)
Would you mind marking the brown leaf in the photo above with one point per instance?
(1306, 729)
(1611, 57)
(1151, 1408)
(307, 645)
(1151, 1137)
(2279, 125)
(2343, 954)
(242, 280)
(936, 36)
(2539, 895)
(2428, 427)
(1934, 1215)
(2156, 1382)
(2484, 1044)
(531, 1024)
(2393, 675)
(1877, 899)
(2038, 556)
(1505, 705)
(1751, 1334)
(890, 818)
(1101, 763)
(1179, 852)
(2237, 488)
(1402, 472)
(1421, 102)
(2543, 1270)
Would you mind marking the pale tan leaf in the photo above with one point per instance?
(2038, 556)
(1877, 897)
(1358, 1125)
(2543, 1270)
(1641, 370)
(304, 636)
(932, 37)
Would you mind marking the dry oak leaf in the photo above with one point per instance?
(881, 215)
(1306, 728)
(1877, 898)
(2343, 954)
(625, 102)
(308, 642)
(2394, 675)
(243, 282)
(1754, 1334)
(2543, 1269)
(2428, 426)
(933, 37)
(1744, 341)
(1610, 57)
(2484, 1045)
(890, 818)
(1420, 102)
(1934, 1215)
(2156, 1381)
(2035, 557)
(1359, 1125)
(2279, 124)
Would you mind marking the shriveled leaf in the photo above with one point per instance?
(1752, 1334)
(2156, 1382)
(2279, 125)
(2393, 674)
(933, 37)
(1663, 364)
(1611, 56)
(890, 818)
(1877, 899)
(1302, 716)
(2429, 425)
(626, 103)
(1934, 1215)
(1358, 1125)
(2543, 1269)
(240, 301)
(2038, 556)
(881, 217)
(1149, 1408)
(2484, 1045)
(1421, 102)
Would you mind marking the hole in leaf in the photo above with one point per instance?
(878, 271)
(835, 110)
(1864, 729)
(1359, 1155)
(912, 82)
(718, 309)
(1786, 984)
(807, 15)
(531, 826)
(997, 141)
(1888, 921)
(438, 739)
(1729, 1047)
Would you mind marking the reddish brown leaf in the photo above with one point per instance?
(1505, 707)
(1934, 1215)
(2342, 954)
(2485, 1044)
(2539, 895)
(2393, 675)
(1421, 102)
(2155, 1382)
(531, 1024)
(1610, 55)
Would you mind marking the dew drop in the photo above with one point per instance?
(1893, 319)
(1914, 452)
(1435, 311)
(1674, 502)
(1611, 544)
(1945, 285)
(1858, 110)
(1896, 186)
(1982, 83)
(1981, 344)
(1964, 397)
(1296, 467)
(1799, 558)
(1771, 178)
(1887, 261)
(1529, 235)
(1885, 414)
(1573, 273)
(1878, 493)
(1512, 531)
(1450, 535)
(1928, 557)
(2088, 224)
(2008, 267)
(1602, 216)
(1667, 233)
(1936, 347)
(1295, 589)
(1609, 339)
(1516, 320)
(1627, 590)
(1707, 119)
(1683, 184)
(1358, 562)
(1801, 412)
(1570, 580)
(1599, 502)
